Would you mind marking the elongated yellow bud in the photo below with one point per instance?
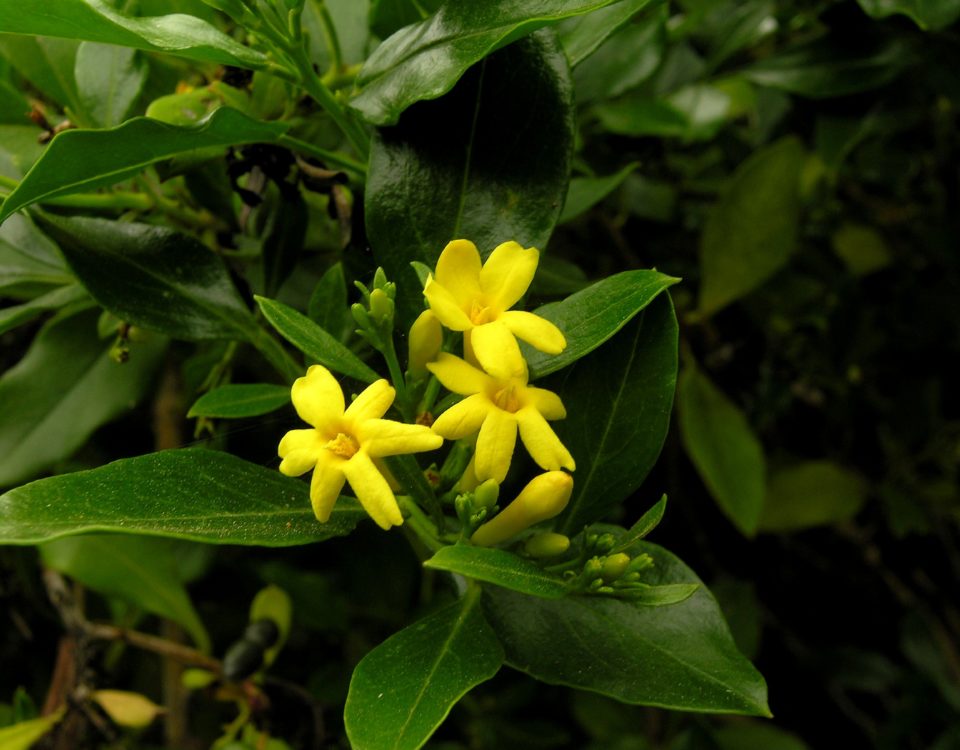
(426, 338)
(547, 544)
(543, 497)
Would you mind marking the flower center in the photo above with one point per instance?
(343, 445)
(508, 398)
(479, 313)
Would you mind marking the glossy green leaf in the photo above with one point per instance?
(647, 523)
(403, 690)
(139, 570)
(425, 60)
(328, 303)
(592, 316)
(679, 657)
(28, 259)
(723, 447)
(752, 230)
(581, 37)
(927, 14)
(387, 16)
(499, 567)
(830, 68)
(15, 315)
(152, 277)
(618, 404)
(24, 734)
(123, 151)
(586, 192)
(490, 178)
(234, 401)
(201, 495)
(96, 21)
(109, 80)
(313, 341)
(813, 493)
(66, 387)
(47, 63)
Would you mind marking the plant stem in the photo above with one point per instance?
(330, 37)
(396, 375)
(421, 525)
(429, 396)
(329, 157)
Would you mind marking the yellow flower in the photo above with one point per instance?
(543, 497)
(477, 300)
(497, 407)
(343, 444)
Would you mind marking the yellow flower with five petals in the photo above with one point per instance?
(476, 299)
(343, 444)
(498, 408)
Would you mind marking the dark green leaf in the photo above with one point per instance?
(109, 80)
(141, 571)
(440, 175)
(425, 60)
(11, 317)
(402, 690)
(591, 316)
(62, 390)
(47, 63)
(499, 567)
(752, 230)
(812, 493)
(66, 166)
(927, 14)
(152, 276)
(556, 277)
(387, 16)
(581, 37)
(313, 341)
(28, 259)
(618, 410)
(756, 737)
(283, 239)
(586, 192)
(723, 447)
(647, 523)
(14, 108)
(241, 400)
(95, 21)
(328, 303)
(202, 495)
(679, 657)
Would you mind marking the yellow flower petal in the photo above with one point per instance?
(457, 376)
(326, 484)
(495, 444)
(383, 437)
(546, 402)
(497, 351)
(372, 491)
(445, 306)
(464, 418)
(542, 442)
(540, 333)
(372, 403)
(458, 271)
(317, 397)
(544, 497)
(299, 450)
(507, 274)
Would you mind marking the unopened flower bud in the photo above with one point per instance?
(604, 543)
(592, 568)
(547, 544)
(426, 338)
(381, 307)
(543, 497)
(486, 495)
(614, 566)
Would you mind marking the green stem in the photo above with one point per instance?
(333, 158)
(330, 37)
(429, 396)
(396, 375)
(421, 525)
(120, 201)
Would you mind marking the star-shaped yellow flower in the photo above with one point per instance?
(343, 444)
(475, 299)
(497, 407)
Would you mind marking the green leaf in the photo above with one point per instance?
(23, 735)
(283, 239)
(201, 495)
(441, 173)
(152, 277)
(756, 737)
(618, 411)
(425, 60)
(813, 493)
(723, 447)
(581, 37)
(14, 108)
(403, 690)
(387, 16)
(28, 259)
(861, 248)
(592, 316)
(235, 401)
(499, 567)
(313, 341)
(62, 390)
(11, 317)
(139, 570)
(586, 192)
(109, 80)
(679, 657)
(647, 523)
(752, 230)
(96, 21)
(328, 304)
(124, 151)
(47, 63)
(927, 14)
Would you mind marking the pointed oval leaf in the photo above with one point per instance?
(499, 567)
(812, 493)
(201, 495)
(647, 523)
(23, 735)
(237, 400)
(402, 690)
(62, 296)
(109, 80)
(581, 37)
(586, 192)
(679, 656)
(96, 21)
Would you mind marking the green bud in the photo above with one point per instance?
(486, 494)
(615, 566)
(463, 505)
(547, 544)
(360, 314)
(593, 568)
(640, 562)
(604, 543)
(381, 307)
(379, 278)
